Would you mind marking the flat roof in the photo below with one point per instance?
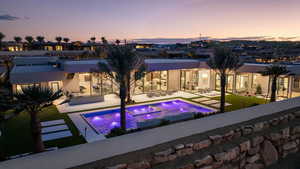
(35, 74)
(30, 69)
(170, 60)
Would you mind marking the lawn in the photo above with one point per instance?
(239, 102)
(17, 139)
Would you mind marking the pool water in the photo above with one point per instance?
(104, 121)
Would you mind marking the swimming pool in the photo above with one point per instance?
(104, 121)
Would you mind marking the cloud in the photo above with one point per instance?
(288, 38)
(251, 38)
(8, 18)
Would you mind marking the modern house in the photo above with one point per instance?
(77, 79)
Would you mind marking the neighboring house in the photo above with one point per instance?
(53, 46)
(12, 46)
(189, 75)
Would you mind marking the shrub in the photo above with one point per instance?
(116, 132)
(258, 89)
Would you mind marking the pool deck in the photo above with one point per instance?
(89, 133)
(114, 100)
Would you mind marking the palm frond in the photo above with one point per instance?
(275, 70)
(224, 61)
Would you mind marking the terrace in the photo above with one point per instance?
(76, 124)
(149, 140)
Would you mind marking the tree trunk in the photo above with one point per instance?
(223, 91)
(2, 137)
(273, 89)
(36, 133)
(128, 90)
(123, 105)
(7, 76)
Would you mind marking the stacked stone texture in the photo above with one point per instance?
(259, 150)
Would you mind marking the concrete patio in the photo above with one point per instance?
(113, 100)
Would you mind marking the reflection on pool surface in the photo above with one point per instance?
(104, 121)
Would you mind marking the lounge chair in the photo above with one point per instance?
(170, 92)
(157, 94)
(163, 93)
(150, 94)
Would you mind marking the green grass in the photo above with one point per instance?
(17, 138)
(240, 102)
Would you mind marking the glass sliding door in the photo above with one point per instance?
(148, 82)
(282, 86)
(153, 81)
(164, 80)
(204, 79)
(96, 84)
(229, 82)
(55, 86)
(106, 84)
(85, 84)
(242, 83)
(189, 80)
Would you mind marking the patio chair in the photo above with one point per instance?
(163, 93)
(150, 94)
(157, 94)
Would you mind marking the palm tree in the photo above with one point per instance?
(30, 40)
(93, 39)
(104, 41)
(58, 39)
(120, 62)
(274, 71)
(41, 40)
(8, 63)
(17, 39)
(66, 40)
(33, 99)
(6, 104)
(2, 36)
(118, 42)
(223, 62)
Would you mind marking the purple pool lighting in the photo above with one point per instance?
(104, 121)
(96, 118)
(114, 124)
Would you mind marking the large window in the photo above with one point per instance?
(153, 81)
(242, 82)
(297, 83)
(91, 84)
(229, 82)
(23, 86)
(282, 89)
(189, 80)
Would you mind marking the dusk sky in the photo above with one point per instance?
(131, 19)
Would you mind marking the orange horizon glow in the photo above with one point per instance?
(135, 19)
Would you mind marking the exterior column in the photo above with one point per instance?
(234, 83)
(212, 80)
(290, 86)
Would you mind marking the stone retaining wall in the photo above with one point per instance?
(251, 146)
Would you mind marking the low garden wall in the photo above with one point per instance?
(251, 145)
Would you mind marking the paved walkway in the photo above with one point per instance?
(85, 130)
(85, 153)
(113, 100)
